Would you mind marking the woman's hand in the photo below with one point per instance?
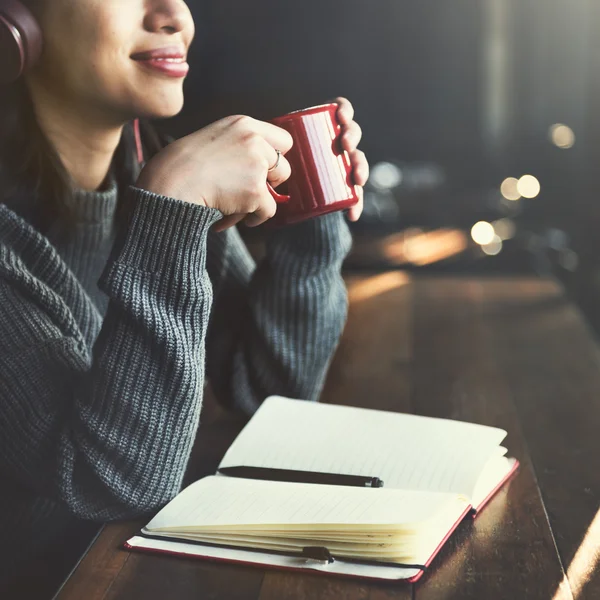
(351, 136)
(223, 166)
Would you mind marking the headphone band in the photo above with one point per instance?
(20, 40)
(138, 141)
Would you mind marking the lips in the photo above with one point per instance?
(171, 52)
(169, 61)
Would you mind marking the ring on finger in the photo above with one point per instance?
(277, 163)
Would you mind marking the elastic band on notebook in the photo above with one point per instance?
(318, 553)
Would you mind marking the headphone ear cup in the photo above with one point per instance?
(20, 40)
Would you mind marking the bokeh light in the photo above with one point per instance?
(385, 176)
(505, 228)
(529, 186)
(562, 136)
(568, 259)
(509, 189)
(494, 247)
(483, 233)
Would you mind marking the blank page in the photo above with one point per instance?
(224, 503)
(407, 451)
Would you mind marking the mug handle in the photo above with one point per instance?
(279, 198)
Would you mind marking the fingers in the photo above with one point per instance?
(275, 136)
(267, 207)
(351, 136)
(355, 212)
(345, 112)
(276, 176)
(360, 167)
(227, 222)
(265, 140)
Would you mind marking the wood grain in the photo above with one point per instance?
(512, 353)
(372, 366)
(551, 366)
(509, 548)
(101, 566)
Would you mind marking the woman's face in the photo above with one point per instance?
(88, 58)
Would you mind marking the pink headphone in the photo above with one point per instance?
(20, 40)
(21, 46)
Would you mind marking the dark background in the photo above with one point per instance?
(467, 88)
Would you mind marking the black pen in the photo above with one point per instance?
(302, 476)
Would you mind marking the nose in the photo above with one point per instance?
(168, 16)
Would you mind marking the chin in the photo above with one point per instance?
(165, 113)
(161, 105)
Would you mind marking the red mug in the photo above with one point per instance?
(321, 181)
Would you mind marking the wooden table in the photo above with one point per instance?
(512, 353)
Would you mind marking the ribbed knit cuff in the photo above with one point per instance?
(311, 245)
(163, 234)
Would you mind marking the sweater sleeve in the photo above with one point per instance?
(275, 326)
(108, 430)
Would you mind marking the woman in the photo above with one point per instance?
(118, 289)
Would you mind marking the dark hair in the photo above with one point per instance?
(31, 167)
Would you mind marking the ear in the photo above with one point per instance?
(138, 141)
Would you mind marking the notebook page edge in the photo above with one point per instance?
(264, 559)
(224, 503)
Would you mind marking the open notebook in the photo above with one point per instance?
(435, 471)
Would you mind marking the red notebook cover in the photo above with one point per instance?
(496, 489)
(323, 571)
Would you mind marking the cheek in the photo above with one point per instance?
(69, 47)
(102, 70)
(109, 47)
(109, 54)
(81, 44)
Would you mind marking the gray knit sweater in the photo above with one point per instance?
(105, 340)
